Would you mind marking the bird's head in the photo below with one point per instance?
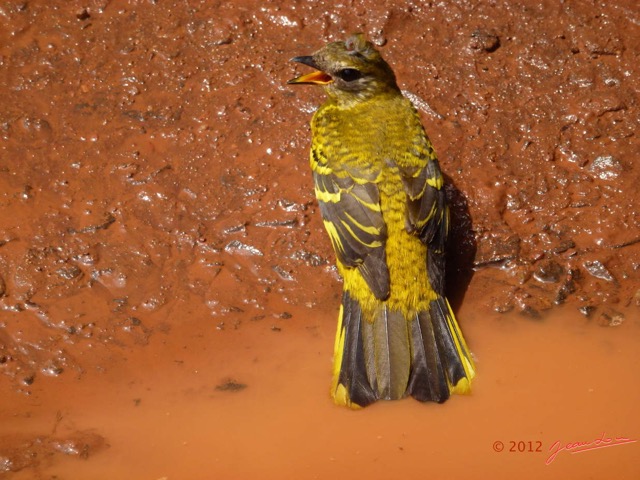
(350, 71)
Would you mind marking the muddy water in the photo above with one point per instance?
(254, 403)
(167, 295)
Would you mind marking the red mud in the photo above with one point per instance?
(167, 294)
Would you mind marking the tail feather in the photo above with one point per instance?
(456, 357)
(389, 356)
(351, 385)
(427, 382)
(452, 368)
(391, 353)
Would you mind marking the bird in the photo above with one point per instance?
(381, 195)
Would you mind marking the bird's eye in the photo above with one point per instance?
(349, 74)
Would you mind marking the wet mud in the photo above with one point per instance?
(167, 292)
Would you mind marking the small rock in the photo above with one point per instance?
(235, 246)
(497, 247)
(83, 14)
(484, 41)
(230, 386)
(289, 206)
(548, 271)
(81, 444)
(611, 318)
(52, 369)
(234, 228)
(564, 246)
(503, 307)
(530, 312)
(587, 310)
(69, 272)
(568, 286)
(605, 168)
(533, 304)
(564, 291)
(284, 274)
(598, 270)
(292, 222)
(309, 258)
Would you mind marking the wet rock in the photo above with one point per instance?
(422, 104)
(233, 226)
(485, 41)
(587, 310)
(282, 273)
(563, 246)
(597, 269)
(52, 369)
(34, 129)
(548, 271)
(530, 312)
(18, 454)
(69, 273)
(610, 318)
(568, 287)
(312, 259)
(82, 444)
(532, 302)
(497, 247)
(108, 220)
(627, 243)
(86, 258)
(502, 305)
(230, 385)
(565, 153)
(289, 223)
(236, 246)
(604, 44)
(139, 332)
(290, 206)
(605, 168)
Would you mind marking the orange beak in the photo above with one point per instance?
(318, 77)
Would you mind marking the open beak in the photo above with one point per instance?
(317, 77)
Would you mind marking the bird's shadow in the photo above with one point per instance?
(461, 246)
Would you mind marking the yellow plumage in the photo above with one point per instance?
(381, 195)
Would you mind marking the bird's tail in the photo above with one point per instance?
(384, 355)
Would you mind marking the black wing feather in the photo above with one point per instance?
(350, 207)
(428, 215)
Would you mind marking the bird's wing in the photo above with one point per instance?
(427, 212)
(350, 206)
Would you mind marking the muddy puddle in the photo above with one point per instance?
(167, 292)
(253, 403)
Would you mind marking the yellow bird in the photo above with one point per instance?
(380, 192)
